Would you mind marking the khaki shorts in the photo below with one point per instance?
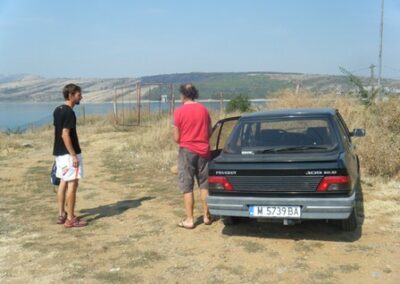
(191, 165)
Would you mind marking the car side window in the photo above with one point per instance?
(221, 133)
(214, 136)
(343, 130)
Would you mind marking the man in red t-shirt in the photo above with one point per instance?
(192, 129)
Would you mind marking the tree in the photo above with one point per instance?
(366, 97)
(239, 103)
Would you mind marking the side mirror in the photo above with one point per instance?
(358, 132)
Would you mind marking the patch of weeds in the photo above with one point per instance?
(28, 245)
(353, 248)
(136, 236)
(224, 273)
(261, 274)
(306, 247)
(76, 273)
(323, 276)
(116, 277)
(34, 246)
(348, 268)
(301, 265)
(90, 195)
(145, 259)
(251, 247)
(238, 270)
(4, 180)
(178, 213)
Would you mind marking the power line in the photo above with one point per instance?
(392, 68)
(359, 70)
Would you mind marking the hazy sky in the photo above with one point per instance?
(135, 38)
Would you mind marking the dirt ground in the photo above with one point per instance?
(132, 235)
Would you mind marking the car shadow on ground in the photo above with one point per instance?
(113, 209)
(306, 230)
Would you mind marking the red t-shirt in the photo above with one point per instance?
(193, 122)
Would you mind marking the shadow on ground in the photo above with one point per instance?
(113, 209)
(307, 230)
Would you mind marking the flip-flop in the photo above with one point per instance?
(210, 221)
(182, 225)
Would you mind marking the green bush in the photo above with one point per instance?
(239, 103)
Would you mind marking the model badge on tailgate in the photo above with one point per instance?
(226, 173)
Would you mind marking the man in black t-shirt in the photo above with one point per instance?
(68, 156)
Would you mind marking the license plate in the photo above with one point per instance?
(275, 211)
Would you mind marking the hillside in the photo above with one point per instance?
(31, 88)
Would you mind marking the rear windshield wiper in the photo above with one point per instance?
(292, 148)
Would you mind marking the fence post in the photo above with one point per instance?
(115, 109)
(138, 92)
(159, 106)
(173, 99)
(221, 104)
(84, 114)
(149, 97)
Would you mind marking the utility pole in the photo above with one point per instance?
(380, 53)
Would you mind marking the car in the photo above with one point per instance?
(287, 165)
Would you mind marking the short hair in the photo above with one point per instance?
(70, 89)
(190, 91)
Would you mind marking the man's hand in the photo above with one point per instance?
(176, 135)
(75, 162)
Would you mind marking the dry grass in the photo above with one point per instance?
(379, 150)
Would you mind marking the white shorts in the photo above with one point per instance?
(66, 171)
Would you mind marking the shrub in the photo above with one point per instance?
(239, 103)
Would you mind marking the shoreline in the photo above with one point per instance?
(130, 101)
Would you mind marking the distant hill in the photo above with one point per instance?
(31, 88)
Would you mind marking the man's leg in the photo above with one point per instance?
(72, 220)
(186, 183)
(202, 180)
(206, 212)
(61, 198)
(71, 198)
(188, 200)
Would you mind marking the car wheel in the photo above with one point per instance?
(350, 224)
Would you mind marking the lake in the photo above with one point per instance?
(27, 115)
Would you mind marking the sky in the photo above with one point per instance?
(110, 39)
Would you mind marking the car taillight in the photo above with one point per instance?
(334, 183)
(219, 183)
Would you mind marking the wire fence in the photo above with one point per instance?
(131, 105)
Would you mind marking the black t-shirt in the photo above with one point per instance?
(64, 117)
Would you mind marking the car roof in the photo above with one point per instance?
(292, 112)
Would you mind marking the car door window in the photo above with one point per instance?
(221, 133)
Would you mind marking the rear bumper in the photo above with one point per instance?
(311, 208)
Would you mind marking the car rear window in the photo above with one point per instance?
(282, 135)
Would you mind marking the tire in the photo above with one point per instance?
(350, 224)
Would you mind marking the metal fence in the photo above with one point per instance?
(131, 104)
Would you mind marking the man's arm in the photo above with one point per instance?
(68, 144)
(176, 134)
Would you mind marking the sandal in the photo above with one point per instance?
(75, 223)
(61, 219)
(210, 221)
(181, 224)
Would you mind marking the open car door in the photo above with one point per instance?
(220, 134)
